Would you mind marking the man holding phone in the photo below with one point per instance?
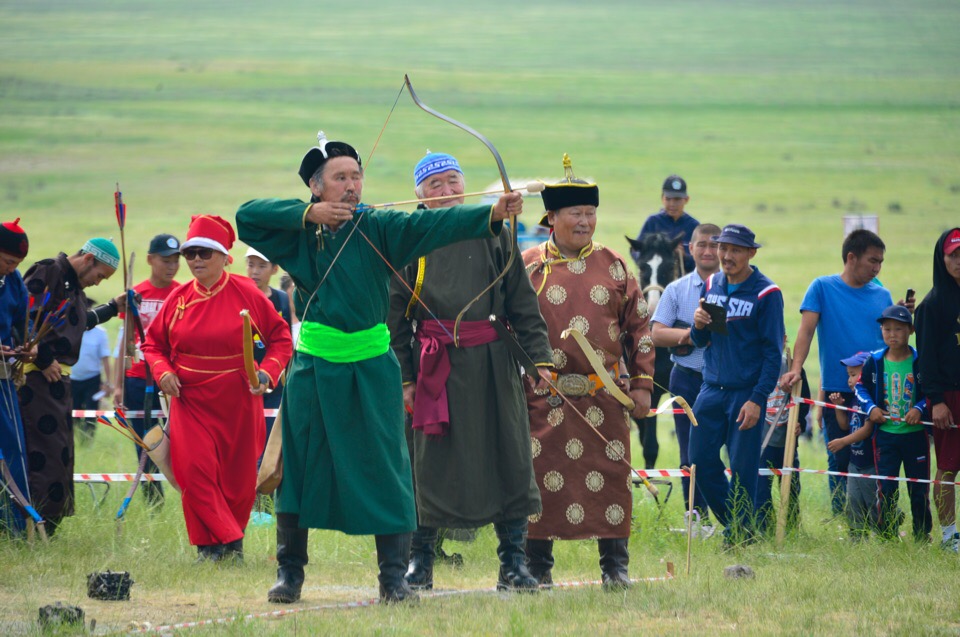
(740, 371)
(841, 309)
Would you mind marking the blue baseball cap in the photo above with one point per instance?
(737, 235)
(896, 313)
(856, 360)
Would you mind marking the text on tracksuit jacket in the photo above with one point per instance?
(748, 355)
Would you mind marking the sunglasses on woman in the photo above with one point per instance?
(192, 253)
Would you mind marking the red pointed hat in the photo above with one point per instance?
(13, 240)
(209, 231)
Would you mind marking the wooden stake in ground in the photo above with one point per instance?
(788, 454)
(693, 490)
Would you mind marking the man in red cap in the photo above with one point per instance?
(938, 344)
(195, 352)
(345, 460)
(13, 308)
(57, 286)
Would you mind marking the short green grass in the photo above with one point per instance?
(783, 116)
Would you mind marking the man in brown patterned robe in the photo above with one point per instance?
(582, 463)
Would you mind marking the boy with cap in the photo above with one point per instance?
(163, 257)
(13, 306)
(45, 399)
(861, 492)
(938, 344)
(890, 394)
(740, 370)
(672, 220)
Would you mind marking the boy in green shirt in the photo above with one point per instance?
(890, 395)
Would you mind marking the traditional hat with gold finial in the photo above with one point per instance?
(567, 192)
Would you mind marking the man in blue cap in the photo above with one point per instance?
(473, 464)
(741, 319)
(45, 398)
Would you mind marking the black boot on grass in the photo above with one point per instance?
(514, 574)
(291, 558)
(393, 554)
(423, 548)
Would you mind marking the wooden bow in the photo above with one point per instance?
(506, 189)
(248, 362)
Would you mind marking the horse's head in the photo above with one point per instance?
(657, 257)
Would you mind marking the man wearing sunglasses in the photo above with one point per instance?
(345, 460)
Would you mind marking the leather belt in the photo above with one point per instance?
(576, 385)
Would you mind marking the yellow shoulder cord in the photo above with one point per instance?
(421, 266)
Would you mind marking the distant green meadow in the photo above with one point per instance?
(783, 116)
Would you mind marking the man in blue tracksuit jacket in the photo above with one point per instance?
(741, 367)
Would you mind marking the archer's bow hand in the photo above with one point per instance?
(509, 204)
(641, 399)
(264, 384)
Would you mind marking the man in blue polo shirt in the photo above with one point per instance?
(672, 220)
(671, 325)
(744, 345)
(842, 310)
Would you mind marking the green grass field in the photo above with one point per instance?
(783, 116)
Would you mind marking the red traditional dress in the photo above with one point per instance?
(216, 425)
(584, 482)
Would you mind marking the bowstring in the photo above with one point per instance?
(362, 212)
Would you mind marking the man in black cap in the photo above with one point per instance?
(745, 333)
(345, 460)
(672, 220)
(163, 257)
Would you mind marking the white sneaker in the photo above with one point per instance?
(952, 544)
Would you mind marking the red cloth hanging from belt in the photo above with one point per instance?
(431, 413)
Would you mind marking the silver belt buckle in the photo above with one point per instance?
(574, 384)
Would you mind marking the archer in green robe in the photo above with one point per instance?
(345, 461)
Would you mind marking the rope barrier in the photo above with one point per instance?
(646, 473)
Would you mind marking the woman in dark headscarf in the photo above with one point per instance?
(938, 345)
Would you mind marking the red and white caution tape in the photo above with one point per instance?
(109, 413)
(646, 473)
(681, 473)
(118, 477)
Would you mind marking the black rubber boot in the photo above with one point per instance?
(210, 552)
(540, 561)
(614, 558)
(514, 575)
(393, 553)
(422, 554)
(233, 550)
(291, 558)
